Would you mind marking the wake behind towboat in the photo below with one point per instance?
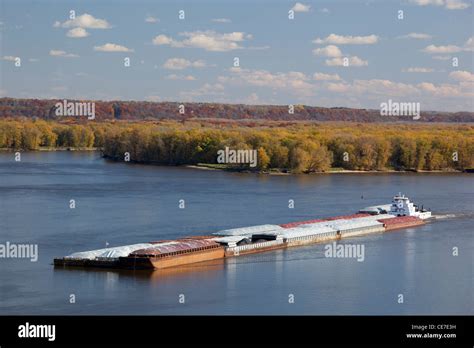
(401, 213)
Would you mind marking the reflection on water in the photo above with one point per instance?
(122, 204)
(205, 269)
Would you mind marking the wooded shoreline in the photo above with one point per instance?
(319, 148)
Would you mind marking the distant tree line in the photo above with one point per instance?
(296, 148)
(145, 110)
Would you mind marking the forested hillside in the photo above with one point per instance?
(140, 110)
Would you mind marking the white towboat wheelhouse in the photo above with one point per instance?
(401, 206)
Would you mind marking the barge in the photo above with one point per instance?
(401, 213)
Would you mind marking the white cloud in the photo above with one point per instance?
(448, 4)
(60, 53)
(417, 70)
(469, 45)
(162, 40)
(154, 98)
(464, 76)
(353, 61)
(180, 77)
(441, 49)
(456, 5)
(328, 51)
(221, 20)
(347, 40)
(252, 99)
(373, 87)
(324, 10)
(299, 7)
(417, 36)
(111, 47)
(385, 88)
(9, 58)
(207, 90)
(85, 21)
(151, 19)
(326, 77)
(77, 33)
(181, 63)
(208, 40)
(338, 87)
(428, 2)
(447, 90)
(293, 81)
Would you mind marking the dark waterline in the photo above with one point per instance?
(120, 204)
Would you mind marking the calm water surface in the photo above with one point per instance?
(120, 204)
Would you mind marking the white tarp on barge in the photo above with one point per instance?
(247, 231)
(110, 253)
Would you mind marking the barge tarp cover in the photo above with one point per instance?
(113, 252)
(307, 231)
(181, 245)
(354, 224)
(245, 231)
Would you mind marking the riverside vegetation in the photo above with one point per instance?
(295, 148)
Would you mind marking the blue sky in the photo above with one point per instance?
(282, 60)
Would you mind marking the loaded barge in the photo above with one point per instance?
(401, 213)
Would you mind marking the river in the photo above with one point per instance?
(118, 203)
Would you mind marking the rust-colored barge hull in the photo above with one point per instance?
(401, 222)
(160, 262)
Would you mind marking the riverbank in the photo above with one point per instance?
(234, 169)
(46, 149)
(223, 167)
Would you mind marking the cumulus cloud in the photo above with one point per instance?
(77, 33)
(328, 51)
(460, 75)
(111, 47)
(208, 40)
(347, 40)
(252, 99)
(469, 44)
(151, 19)
(9, 58)
(353, 61)
(181, 63)
(447, 4)
(60, 53)
(180, 77)
(85, 21)
(338, 87)
(162, 40)
(417, 36)
(207, 90)
(326, 77)
(441, 49)
(417, 70)
(299, 7)
(387, 88)
(293, 81)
